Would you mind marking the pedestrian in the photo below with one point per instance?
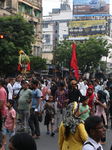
(16, 88)
(91, 99)
(97, 87)
(84, 88)
(61, 97)
(84, 109)
(3, 99)
(72, 133)
(53, 89)
(24, 106)
(49, 117)
(33, 119)
(9, 126)
(9, 87)
(74, 94)
(22, 141)
(96, 130)
(100, 109)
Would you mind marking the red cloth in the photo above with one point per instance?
(74, 64)
(90, 102)
(19, 67)
(28, 68)
(91, 86)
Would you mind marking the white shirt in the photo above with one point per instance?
(90, 147)
(84, 90)
(97, 88)
(16, 87)
(10, 91)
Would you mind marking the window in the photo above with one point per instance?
(45, 25)
(48, 40)
(42, 35)
(35, 50)
(65, 36)
(37, 13)
(35, 31)
(47, 35)
(38, 51)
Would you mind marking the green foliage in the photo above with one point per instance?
(37, 63)
(21, 33)
(64, 53)
(102, 66)
(89, 53)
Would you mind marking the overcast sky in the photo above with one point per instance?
(49, 4)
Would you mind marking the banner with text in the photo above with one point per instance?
(91, 8)
(87, 28)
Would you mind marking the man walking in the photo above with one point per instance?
(33, 120)
(61, 97)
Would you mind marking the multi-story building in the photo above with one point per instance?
(55, 28)
(32, 12)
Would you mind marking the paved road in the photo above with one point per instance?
(51, 143)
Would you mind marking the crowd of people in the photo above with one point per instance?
(32, 100)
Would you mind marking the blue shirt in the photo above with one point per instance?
(35, 94)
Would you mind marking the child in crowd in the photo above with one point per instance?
(84, 109)
(9, 122)
(49, 117)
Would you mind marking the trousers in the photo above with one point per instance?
(59, 111)
(34, 123)
(24, 115)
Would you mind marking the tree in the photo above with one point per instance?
(102, 66)
(37, 63)
(89, 53)
(21, 35)
(64, 52)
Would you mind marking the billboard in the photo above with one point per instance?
(88, 8)
(87, 28)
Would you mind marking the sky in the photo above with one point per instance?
(49, 4)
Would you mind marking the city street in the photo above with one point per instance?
(51, 143)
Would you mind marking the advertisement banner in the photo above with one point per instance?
(90, 8)
(87, 28)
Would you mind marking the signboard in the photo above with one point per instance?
(88, 8)
(87, 28)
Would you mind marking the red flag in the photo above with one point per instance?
(28, 68)
(19, 67)
(74, 64)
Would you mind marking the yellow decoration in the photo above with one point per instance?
(20, 52)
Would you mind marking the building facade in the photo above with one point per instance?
(55, 28)
(32, 12)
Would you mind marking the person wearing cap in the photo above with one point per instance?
(72, 133)
(74, 94)
(24, 106)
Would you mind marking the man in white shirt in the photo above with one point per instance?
(97, 87)
(84, 88)
(16, 88)
(9, 87)
(96, 130)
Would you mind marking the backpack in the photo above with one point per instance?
(92, 145)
